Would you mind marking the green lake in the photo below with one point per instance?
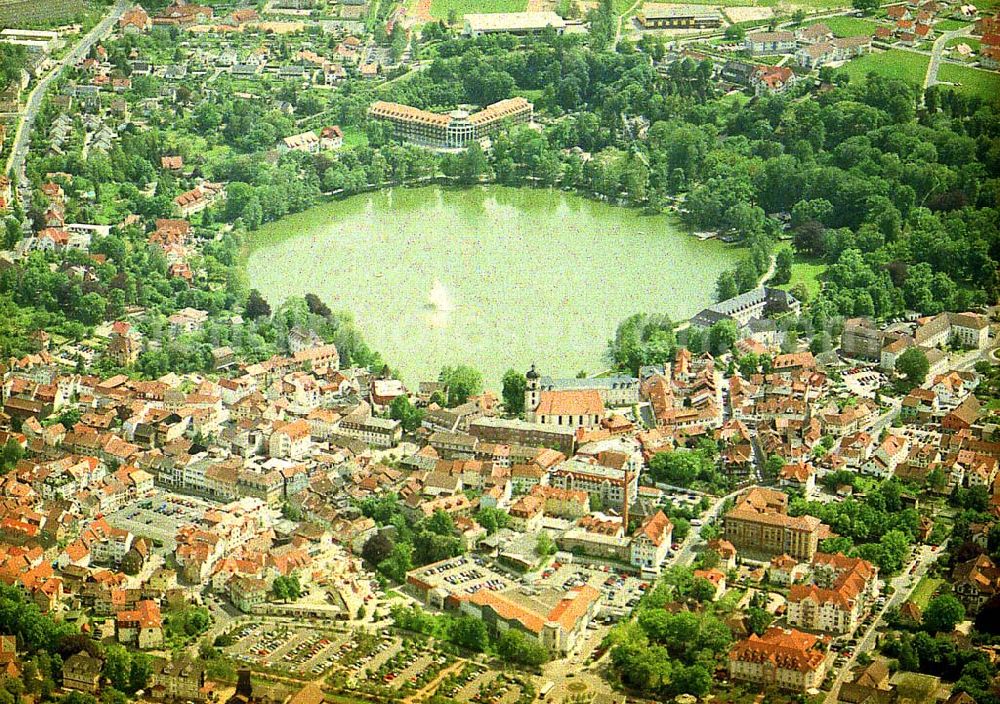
(491, 276)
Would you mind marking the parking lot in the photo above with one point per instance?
(301, 651)
(466, 573)
(159, 516)
(863, 381)
(621, 591)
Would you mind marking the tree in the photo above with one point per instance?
(462, 382)
(783, 266)
(377, 548)
(492, 519)
(866, 6)
(773, 465)
(405, 412)
(286, 588)
(317, 306)
(399, 562)
(693, 679)
(514, 646)
(913, 365)
(514, 385)
(702, 590)
(725, 286)
(735, 33)
(470, 633)
(544, 545)
(722, 336)
(117, 666)
(256, 306)
(943, 613)
(758, 620)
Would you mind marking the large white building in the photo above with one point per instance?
(477, 25)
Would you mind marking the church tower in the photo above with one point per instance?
(531, 393)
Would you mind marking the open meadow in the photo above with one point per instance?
(894, 63)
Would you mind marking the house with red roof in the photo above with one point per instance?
(141, 627)
(651, 543)
(783, 658)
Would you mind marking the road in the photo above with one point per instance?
(19, 150)
(903, 585)
(930, 78)
(686, 555)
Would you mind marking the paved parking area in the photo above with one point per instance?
(159, 516)
(864, 381)
(621, 591)
(287, 648)
(466, 573)
(471, 688)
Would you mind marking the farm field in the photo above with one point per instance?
(894, 63)
(848, 26)
(39, 13)
(440, 9)
(784, 6)
(972, 81)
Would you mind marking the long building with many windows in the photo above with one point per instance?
(453, 130)
(760, 524)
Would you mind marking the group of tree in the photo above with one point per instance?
(286, 588)
(403, 543)
(663, 654)
(511, 645)
(877, 528)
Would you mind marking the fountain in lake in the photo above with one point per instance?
(439, 305)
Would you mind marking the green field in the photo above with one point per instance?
(441, 8)
(781, 7)
(40, 13)
(925, 590)
(354, 136)
(972, 81)
(894, 63)
(949, 25)
(848, 26)
(971, 41)
(806, 270)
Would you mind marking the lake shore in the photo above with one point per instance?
(491, 276)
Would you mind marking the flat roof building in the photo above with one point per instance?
(477, 25)
(680, 17)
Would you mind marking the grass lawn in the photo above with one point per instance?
(971, 41)
(848, 26)
(441, 8)
(925, 590)
(806, 270)
(354, 136)
(894, 63)
(972, 81)
(533, 95)
(949, 25)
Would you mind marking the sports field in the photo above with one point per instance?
(894, 63)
